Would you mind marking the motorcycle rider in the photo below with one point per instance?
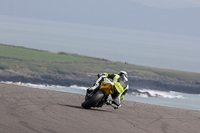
(121, 86)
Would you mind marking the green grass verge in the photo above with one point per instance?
(30, 61)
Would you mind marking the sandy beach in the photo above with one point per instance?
(29, 110)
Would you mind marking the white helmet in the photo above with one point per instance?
(123, 73)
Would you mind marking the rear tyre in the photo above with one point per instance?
(93, 100)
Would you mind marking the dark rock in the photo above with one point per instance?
(87, 80)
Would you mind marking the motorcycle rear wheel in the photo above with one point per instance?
(94, 100)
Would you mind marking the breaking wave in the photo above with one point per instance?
(164, 94)
(70, 89)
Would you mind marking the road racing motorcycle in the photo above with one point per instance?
(99, 96)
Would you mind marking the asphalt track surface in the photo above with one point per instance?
(28, 110)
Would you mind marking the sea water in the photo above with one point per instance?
(169, 99)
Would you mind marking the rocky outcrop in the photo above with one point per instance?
(87, 80)
(67, 80)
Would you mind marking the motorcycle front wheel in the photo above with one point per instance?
(94, 100)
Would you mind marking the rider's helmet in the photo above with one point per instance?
(123, 73)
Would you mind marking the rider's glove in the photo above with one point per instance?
(102, 74)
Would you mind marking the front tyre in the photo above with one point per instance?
(94, 100)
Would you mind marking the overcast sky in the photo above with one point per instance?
(147, 15)
(157, 33)
(170, 3)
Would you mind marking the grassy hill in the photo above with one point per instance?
(33, 64)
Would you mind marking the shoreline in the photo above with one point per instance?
(167, 99)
